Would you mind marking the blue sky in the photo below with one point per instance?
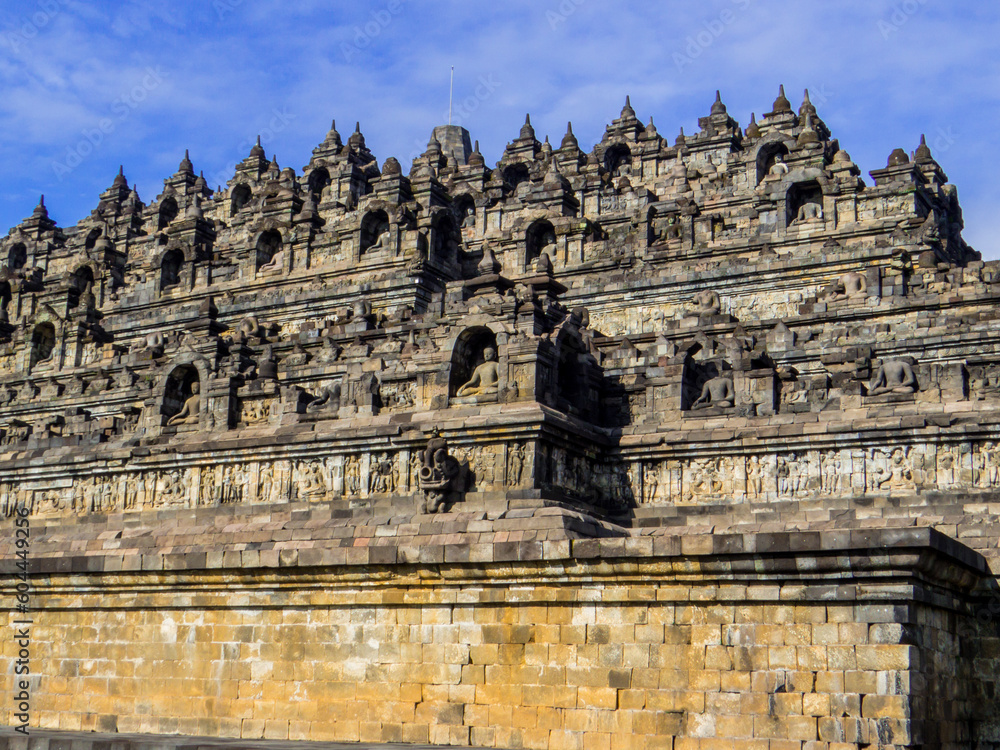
(91, 85)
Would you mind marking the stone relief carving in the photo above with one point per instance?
(399, 394)
(256, 410)
(515, 464)
(382, 474)
(352, 475)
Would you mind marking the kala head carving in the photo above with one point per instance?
(442, 478)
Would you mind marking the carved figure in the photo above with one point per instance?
(329, 353)
(469, 220)
(897, 475)
(485, 377)
(383, 475)
(328, 398)
(276, 263)
(718, 391)
(442, 477)
(651, 475)
(266, 482)
(381, 242)
(851, 284)
(677, 174)
(809, 212)
(778, 169)
(352, 476)
(894, 376)
(707, 302)
(189, 412)
(516, 465)
(249, 327)
(831, 472)
(154, 343)
(754, 478)
(208, 488)
(312, 483)
(298, 357)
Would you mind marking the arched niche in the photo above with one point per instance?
(268, 246)
(81, 281)
(170, 269)
(92, 236)
(516, 174)
(319, 179)
(569, 375)
(468, 353)
(804, 202)
(180, 386)
(167, 213)
(5, 297)
(375, 232)
(43, 343)
(540, 238)
(17, 256)
(618, 160)
(240, 198)
(444, 245)
(767, 156)
(465, 211)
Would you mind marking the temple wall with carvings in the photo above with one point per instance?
(642, 370)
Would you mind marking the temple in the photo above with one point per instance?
(684, 443)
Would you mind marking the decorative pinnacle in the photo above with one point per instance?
(718, 108)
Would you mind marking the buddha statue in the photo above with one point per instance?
(707, 302)
(718, 391)
(894, 376)
(485, 378)
(189, 412)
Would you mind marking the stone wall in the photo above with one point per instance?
(799, 639)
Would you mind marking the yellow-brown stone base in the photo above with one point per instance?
(875, 643)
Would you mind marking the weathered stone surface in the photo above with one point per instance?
(692, 445)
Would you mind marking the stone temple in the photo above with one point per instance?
(683, 443)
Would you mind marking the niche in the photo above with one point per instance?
(170, 269)
(469, 353)
(17, 257)
(618, 161)
(167, 213)
(540, 238)
(375, 232)
(240, 198)
(179, 389)
(43, 343)
(268, 246)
